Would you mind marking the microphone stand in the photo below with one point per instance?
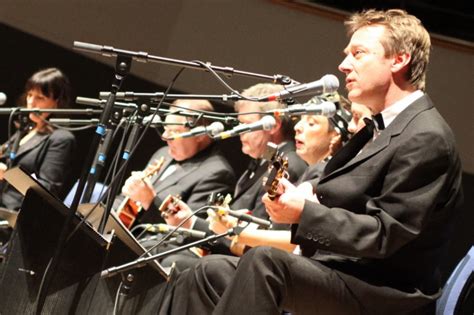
(143, 261)
(13, 147)
(142, 111)
(122, 68)
(101, 102)
(74, 122)
(97, 102)
(74, 111)
(156, 97)
(142, 56)
(101, 156)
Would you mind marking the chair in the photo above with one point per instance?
(458, 293)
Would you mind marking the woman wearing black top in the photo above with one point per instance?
(44, 152)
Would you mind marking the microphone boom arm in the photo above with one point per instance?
(143, 261)
(142, 56)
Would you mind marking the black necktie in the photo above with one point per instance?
(355, 144)
(253, 165)
(247, 175)
(378, 122)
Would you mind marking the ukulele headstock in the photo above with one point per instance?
(277, 169)
(169, 205)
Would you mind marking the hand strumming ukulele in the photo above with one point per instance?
(129, 210)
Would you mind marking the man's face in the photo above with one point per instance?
(180, 149)
(253, 143)
(312, 138)
(368, 71)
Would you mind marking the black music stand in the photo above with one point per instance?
(8, 216)
(33, 243)
(76, 286)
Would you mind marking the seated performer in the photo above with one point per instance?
(192, 168)
(315, 138)
(373, 236)
(41, 150)
(249, 189)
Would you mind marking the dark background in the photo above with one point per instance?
(88, 78)
(449, 18)
(23, 54)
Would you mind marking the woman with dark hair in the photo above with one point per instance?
(44, 152)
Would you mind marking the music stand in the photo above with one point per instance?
(76, 286)
(8, 215)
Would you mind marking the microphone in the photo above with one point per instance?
(74, 122)
(101, 103)
(244, 217)
(153, 121)
(211, 130)
(3, 98)
(327, 109)
(265, 123)
(327, 84)
(165, 228)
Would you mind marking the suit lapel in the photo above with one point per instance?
(34, 142)
(380, 143)
(383, 140)
(181, 171)
(245, 182)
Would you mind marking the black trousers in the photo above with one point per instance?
(267, 281)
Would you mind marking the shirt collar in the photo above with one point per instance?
(389, 114)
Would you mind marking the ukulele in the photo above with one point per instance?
(128, 209)
(277, 169)
(170, 206)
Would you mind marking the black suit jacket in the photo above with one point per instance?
(194, 180)
(385, 216)
(48, 156)
(250, 192)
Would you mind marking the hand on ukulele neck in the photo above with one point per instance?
(219, 221)
(174, 211)
(277, 171)
(153, 167)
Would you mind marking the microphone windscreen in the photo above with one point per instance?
(215, 128)
(268, 122)
(331, 83)
(3, 98)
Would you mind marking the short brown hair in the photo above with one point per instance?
(265, 89)
(193, 105)
(404, 34)
(53, 83)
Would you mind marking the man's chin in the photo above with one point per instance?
(353, 96)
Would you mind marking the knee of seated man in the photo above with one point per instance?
(217, 263)
(265, 254)
(217, 270)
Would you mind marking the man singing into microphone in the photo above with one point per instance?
(383, 208)
(249, 189)
(193, 167)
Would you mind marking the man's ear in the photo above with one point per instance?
(277, 128)
(400, 61)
